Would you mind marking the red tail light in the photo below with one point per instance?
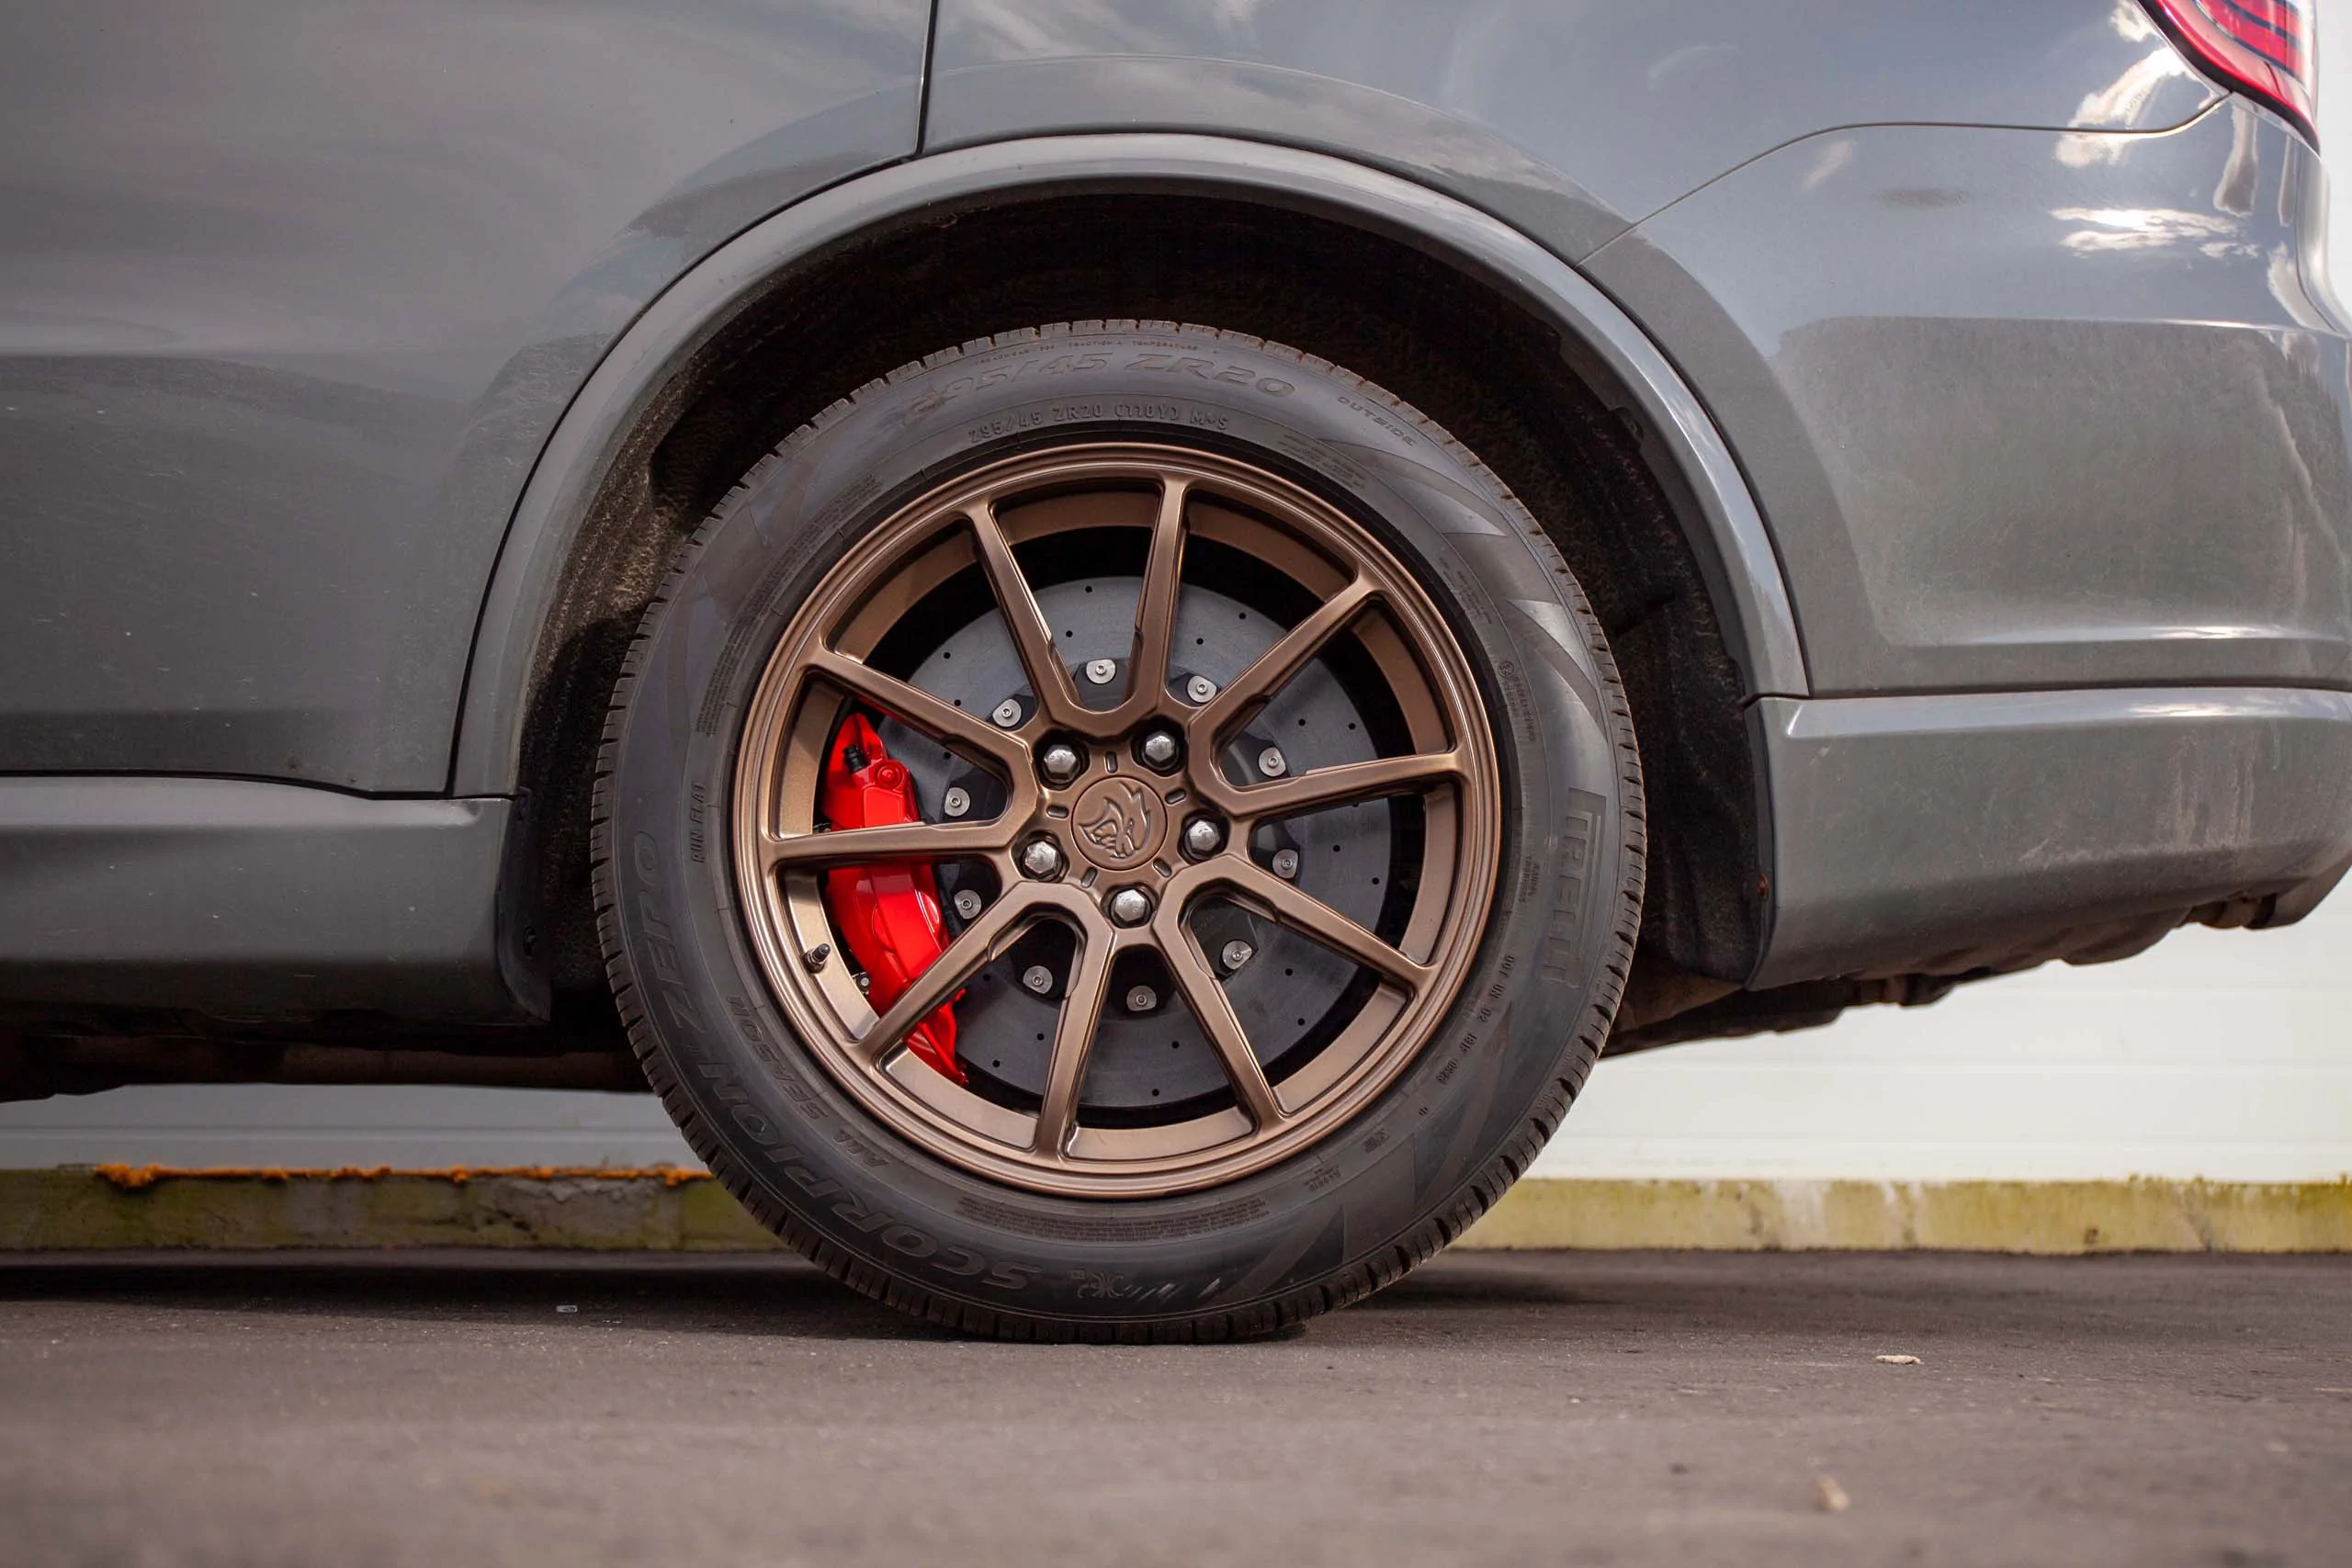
(2261, 48)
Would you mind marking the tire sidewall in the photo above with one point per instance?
(1461, 1119)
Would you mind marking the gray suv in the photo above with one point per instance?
(1112, 639)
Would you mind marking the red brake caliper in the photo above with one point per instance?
(886, 913)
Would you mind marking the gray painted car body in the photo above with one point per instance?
(1569, 121)
(1989, 341)
(2026, 409)
(290, 298)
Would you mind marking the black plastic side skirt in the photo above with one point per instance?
(241, 900)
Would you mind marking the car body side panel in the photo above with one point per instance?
(2024, 409)
(1567, 119)
(290, 296)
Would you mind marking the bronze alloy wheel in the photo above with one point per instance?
(1148, 856)
(1118, 831)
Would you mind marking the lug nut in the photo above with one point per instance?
(1039, 857)
(1235, 954)
(1130, 905)
(1203, 836)
(1142, 998)
(1102, 670)
(1060, 762)
(1038, 979)
(957, 801)
(1286, 864)
(1006, 715)
(1199, 689)
(1158, 749)
(968, 903)
(1271, 763)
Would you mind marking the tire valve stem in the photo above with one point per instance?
(817, 957)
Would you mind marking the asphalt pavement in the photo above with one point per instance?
(443, 1409)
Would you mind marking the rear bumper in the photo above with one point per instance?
(1939, 834)
(2053, 433)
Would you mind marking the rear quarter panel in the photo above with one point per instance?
(1570, 119)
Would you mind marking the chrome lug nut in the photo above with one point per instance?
(957, 801)
(1286, 864)
(1102, 670)
(1199, 689)
(1130, 905)
(1271, 763)
(1006, 715)
(968, 903)
(1203, 836)
(1040, 857)
(1142, 998)
(1158, 749)
(1234, 955)
(1038, 979)
(1060, 762)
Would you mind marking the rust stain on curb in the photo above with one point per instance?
(138, 1178)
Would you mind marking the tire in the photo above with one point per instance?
(936, 1235)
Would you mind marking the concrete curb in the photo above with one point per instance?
(662, 1210)
(680, 1210)
(2054, 1218)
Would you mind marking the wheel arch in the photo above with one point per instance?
(634, 445)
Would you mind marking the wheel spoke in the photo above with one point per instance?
(1322, 787)
(1280, 662)
(1310, 917)
(930, 841)
(1032, 637)
(995, 930)
(1156, 604)
(1082, 505)
(1081, 1015)
(918, 709)
(1214, 1010)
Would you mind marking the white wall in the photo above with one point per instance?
(2225, 1055)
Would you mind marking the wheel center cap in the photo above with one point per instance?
(1118, 822)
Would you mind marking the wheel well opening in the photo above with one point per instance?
(1496, 377)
